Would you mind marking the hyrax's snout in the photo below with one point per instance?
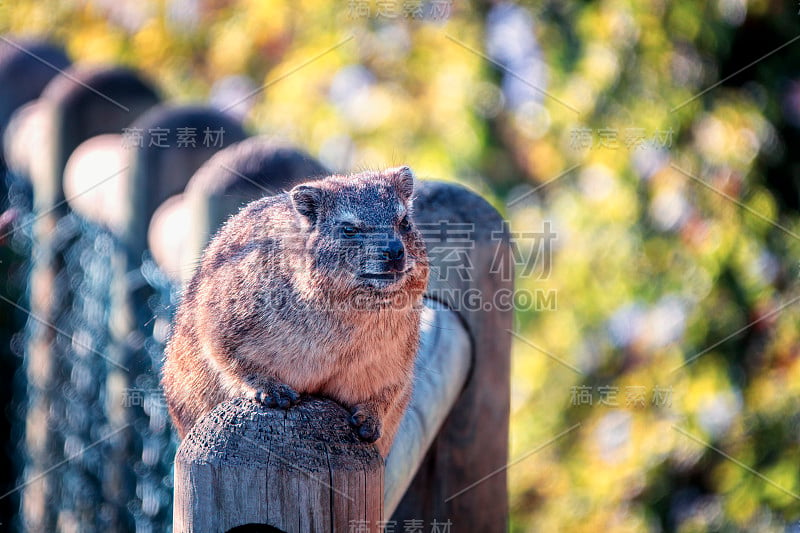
(394, 256)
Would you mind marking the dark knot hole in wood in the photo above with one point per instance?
(255, 528)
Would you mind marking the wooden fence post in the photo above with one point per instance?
(252, 169)
(299, 470)
(462, 478)
(158, 173)
(159, 167)
(75, 105)
(239, 174)
(22, 79)
(24, 73)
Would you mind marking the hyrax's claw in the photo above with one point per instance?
(369, 433)
(367, 426)
(272, 393)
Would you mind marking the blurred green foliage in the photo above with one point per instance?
(678, 235)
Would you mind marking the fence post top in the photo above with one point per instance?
(313, 434)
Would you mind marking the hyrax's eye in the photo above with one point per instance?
(349, 231)
(405, 224)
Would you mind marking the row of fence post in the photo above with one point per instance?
(114, 225)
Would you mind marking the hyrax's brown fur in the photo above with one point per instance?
(315, 291)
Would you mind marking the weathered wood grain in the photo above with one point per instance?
(298, 470)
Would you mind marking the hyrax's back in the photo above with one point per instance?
(314, 291)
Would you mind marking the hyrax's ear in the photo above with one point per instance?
(404, 180)
(306, 201)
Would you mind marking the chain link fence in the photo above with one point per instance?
(62, 429)
(61, 425)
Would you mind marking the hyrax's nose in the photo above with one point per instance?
(394, 254)
(394, 250)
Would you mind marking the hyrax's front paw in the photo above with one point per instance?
(366, 422)
(273, 393)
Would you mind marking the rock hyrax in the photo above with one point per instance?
(314, 291)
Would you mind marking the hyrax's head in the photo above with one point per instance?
(361, 234)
